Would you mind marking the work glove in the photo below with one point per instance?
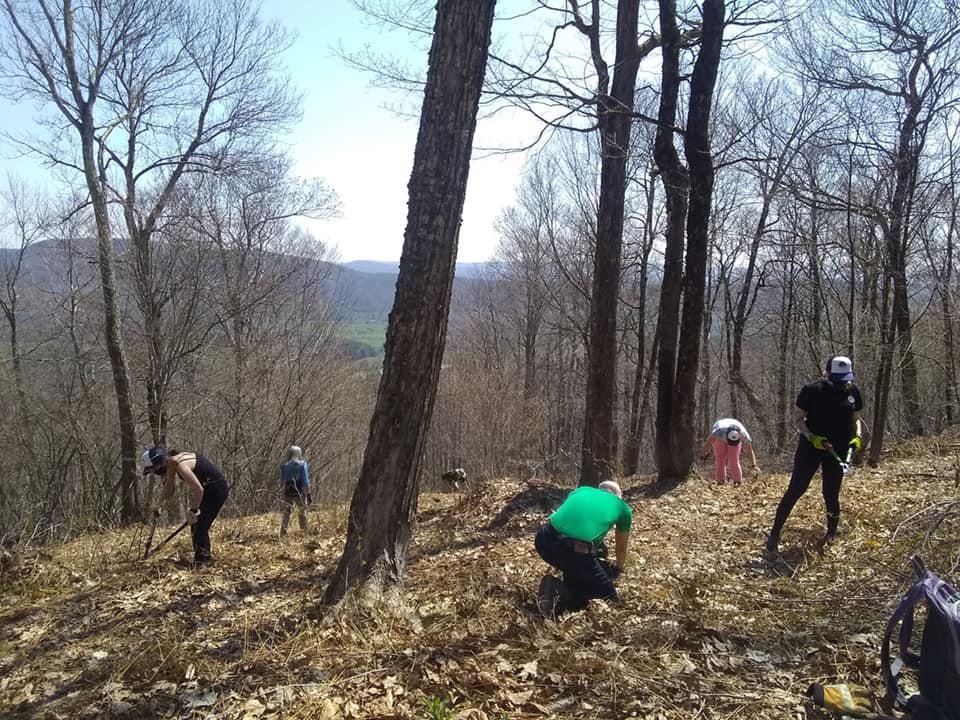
(847, 699)
(856, 444)
(193, 517)
(612, 569)
(820, 442)
(756, 471)
(153, 512)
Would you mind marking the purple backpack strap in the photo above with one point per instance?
(944, 600)
(904, 613)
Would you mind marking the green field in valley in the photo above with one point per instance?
(366, 338)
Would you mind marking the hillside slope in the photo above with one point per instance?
(704, 629)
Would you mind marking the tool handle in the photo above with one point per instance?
(168, 538)
(153, 529)
(919, 569)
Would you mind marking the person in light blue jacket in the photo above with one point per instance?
(295, 488)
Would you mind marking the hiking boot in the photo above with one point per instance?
(548, 597)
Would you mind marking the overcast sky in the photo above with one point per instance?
(347, 137)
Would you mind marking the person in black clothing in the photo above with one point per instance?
(207, 486)
(828, 417)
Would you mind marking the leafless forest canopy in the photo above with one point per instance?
(169, 252)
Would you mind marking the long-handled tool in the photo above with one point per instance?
(167, 539)
(153, 529)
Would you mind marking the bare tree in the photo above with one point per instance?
(901, 55)
(21, 225)
(688, 196)
(62, 55)
(263, 283)
(614, 98)
(196, 88)
(384, 504)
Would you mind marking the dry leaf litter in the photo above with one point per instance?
(705, 628)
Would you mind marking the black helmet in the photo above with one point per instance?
(154, 460)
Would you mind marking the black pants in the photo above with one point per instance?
(806, 461)
(214, 495)
(583, 574)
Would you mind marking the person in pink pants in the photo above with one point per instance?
(727, 438)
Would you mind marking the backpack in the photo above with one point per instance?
(938, 664)
(297, 487)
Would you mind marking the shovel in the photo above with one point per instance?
(167, 539)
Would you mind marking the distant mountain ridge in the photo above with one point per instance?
(466, 270)
(365, 288)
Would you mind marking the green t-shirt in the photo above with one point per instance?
(588, 514)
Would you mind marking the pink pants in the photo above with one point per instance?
(726, 457)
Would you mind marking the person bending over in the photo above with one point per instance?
(727, 438)
(205, 483)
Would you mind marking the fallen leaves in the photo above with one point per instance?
(703, 629)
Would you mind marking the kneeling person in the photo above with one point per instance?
(570, 543)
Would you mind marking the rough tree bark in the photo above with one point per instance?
(614, 117)
(384, 503)
(680, 354)
(676, 185)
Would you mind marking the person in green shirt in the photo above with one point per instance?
(570, 542)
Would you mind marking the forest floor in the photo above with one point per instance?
(705, 628)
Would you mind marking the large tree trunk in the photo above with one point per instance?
(384, 503)
(700, 162)
(897, 244)
(614, 117)
(676, 455)
(676, 186)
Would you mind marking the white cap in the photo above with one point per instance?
(612, 487)
(840, 369)
(733, 436)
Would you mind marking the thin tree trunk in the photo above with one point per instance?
(787, 302)
(631, 448)
(384, 503)
(946, 296)
(884, 372)
(112, 321)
